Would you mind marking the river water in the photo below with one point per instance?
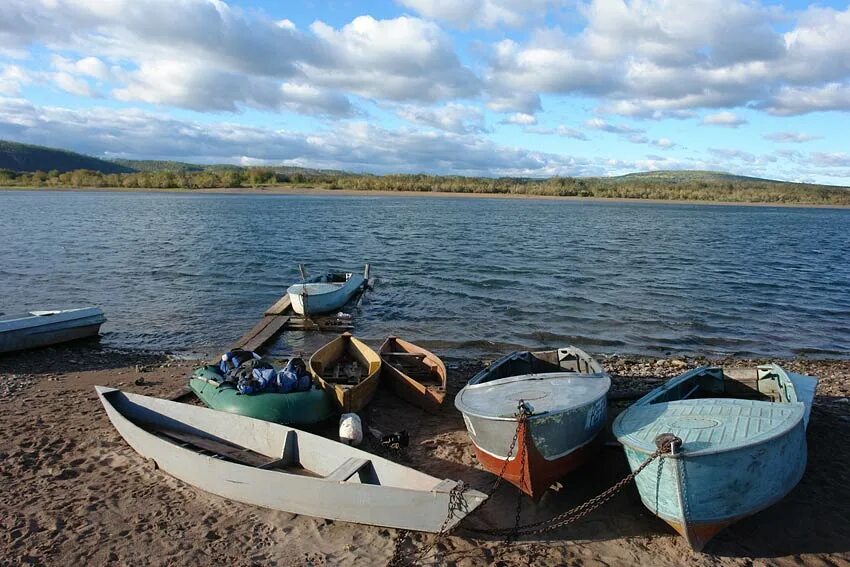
(463, 276)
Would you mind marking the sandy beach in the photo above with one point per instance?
(320, 191)
(75, 493)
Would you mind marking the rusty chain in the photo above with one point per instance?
(666, 444)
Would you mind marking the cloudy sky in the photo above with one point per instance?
(471, 87)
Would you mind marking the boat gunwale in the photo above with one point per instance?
(648, 448)
(443, 383)
(463, 408)
(481, 374)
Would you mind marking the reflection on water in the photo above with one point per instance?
(463, 276)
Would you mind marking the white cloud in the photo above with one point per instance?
(482, 13)
(520, 119)
(403, 59)
(664, 143)
(800, 100)
(457, 118)
(12, 78)
(659, 59)
(600, 124)
(726, 119)
(566, 132)
(790, 137)
(354, 146)
(72, 84)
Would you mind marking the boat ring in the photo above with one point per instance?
(694, 423)
(528, 395)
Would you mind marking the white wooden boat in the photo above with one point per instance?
(266, 464)
(326, 293)
(41, 328)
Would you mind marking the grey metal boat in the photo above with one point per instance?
(41, 328)
(563, 393)
(282, 468)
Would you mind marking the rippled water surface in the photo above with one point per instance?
(464, 276)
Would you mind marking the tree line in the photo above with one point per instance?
(719, 188)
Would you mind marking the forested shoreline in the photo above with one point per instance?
(708, 187)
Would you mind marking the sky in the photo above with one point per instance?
(464, 87)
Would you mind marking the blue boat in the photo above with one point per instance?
(741, 445)
(326, 293)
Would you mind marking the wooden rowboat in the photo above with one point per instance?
(741, 448)
(414, 374)
(41, 328)
(348, 370)
(278, 467)
(564, 394)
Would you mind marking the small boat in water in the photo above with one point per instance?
(740, 445)
(41, 328)
(326, 293)
(563, 394)
(414, 374)
(278, 467)
(291, 408)
(348, 370)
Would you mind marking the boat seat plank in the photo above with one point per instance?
(232, 452)
(348, 469)
(410, 354)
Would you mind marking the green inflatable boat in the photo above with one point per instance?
(294, 408)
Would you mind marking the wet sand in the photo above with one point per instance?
(73, 492)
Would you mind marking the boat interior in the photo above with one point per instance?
(296, 452)
(561, 360)
(346, 366)
(760, 383)
(416, 365)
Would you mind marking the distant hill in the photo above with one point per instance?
(25, 157)
(688, 176)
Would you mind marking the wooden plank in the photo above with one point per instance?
(348, 469)
(282, 307)
(267, 334)
(255, 330)
(232, 452)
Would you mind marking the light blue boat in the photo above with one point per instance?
(743, 445)
(326, 293)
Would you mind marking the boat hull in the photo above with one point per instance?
(552, 445)
(325, 301)
(293, 408)
(388, 504)
(43, 331)
(700, 495)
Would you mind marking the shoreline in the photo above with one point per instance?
(317, 191)
(74, 491)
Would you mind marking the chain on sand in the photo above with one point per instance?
(665, 444)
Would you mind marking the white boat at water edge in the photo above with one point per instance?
(41, 328)
(326, 293)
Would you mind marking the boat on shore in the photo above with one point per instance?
(274, 466)
(326, 293)
(739, 447)
(413, 373)
(42, 328)
(348, 370)
(290, 408)
(562, 394)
